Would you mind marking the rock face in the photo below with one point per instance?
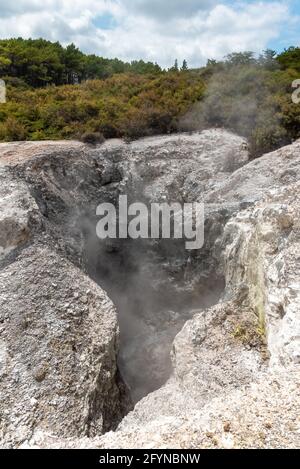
(59, 340)
(213, 333)
(262, 256)
(17, 210)
(59, 335)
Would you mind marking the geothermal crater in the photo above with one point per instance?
(156, 285)
(89, 327)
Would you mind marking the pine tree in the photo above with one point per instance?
(184, 67)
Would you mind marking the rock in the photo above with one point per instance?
(263, 255)
(18, 211)
(213, 333)
(246, 410)
(58, 374)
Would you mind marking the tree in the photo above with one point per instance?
(175, 67)
(73, 61)
(240, 58)
(211, 63)
(39, 63)
(184, 67)
(268, 59)
(143, 68)
(290, 58)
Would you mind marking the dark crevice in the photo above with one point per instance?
(156, 285)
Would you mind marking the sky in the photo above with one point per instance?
(156, 30)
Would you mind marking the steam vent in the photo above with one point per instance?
(142, 343)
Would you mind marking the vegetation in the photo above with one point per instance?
(40, 63)
(252, 97)
(125, 105)
(93, 138)
(250, 334)
(55, 92)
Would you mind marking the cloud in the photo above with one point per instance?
(156, 30)
(168, 9)
(8, 9)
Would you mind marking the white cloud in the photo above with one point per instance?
(157, 30)
(8, 9)
(165, 10)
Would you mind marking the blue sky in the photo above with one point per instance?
(157, 30)
(289, 35)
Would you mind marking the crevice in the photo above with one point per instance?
(156, 285)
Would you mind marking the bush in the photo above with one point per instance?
(92, 138)
(12, 130)
(125, 105)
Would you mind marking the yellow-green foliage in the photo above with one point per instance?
(250, 334)
(249, 95)
(123, 105)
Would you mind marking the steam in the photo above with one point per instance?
(150, 282)
(239, 98)
(156, 285)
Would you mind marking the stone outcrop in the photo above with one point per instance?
(213, 333)
(58, 348)
(261, 258)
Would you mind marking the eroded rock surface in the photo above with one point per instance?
(59, 342)
(233, 370)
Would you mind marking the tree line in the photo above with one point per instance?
(96, 97)
(39, 63)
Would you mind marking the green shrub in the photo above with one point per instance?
(12, 130)
(92, 138)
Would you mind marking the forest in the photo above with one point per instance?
(56, 92)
